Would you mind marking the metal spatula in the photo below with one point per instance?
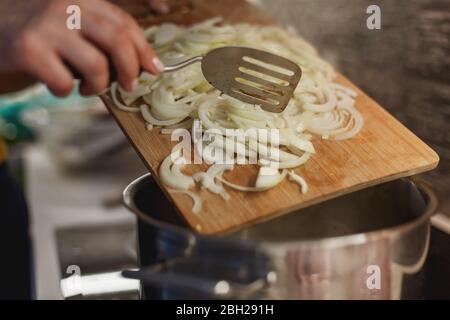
(250, 75)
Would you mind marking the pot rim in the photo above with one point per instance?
(357, 238)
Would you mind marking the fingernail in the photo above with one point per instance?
(164, 8)
(135, 85)
(158, 64)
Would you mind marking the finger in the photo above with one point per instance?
(106, 24)
(88, 60)
(49, 68)
(54, 74)
(160, 6)
(116, 42)
(147, 56)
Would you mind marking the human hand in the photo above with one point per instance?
(34, 38)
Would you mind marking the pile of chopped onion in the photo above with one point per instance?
(174, 100)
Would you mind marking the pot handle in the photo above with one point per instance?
(154, 275)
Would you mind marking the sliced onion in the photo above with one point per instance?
(299, 180)
(171, 175)
(195, 197)
(120, 105)
(346, 90)
(207, 179)
(253, 189)
(267, 177)
(357, 126)
(329, 105)
(287, 164)
(187, 124)
(165, 107)
(146, 114)
(129, 98)
(297, 144)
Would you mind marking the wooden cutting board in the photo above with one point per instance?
(384, 150)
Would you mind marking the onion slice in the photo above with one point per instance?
(292, 176)
(253, 189)
(195, 197)
(171, 175)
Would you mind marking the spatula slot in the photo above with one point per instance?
(251, 96)
(261, 78)
(258, 93)
(264, 71)
(260, 86)
(270, 66)
(242, 96)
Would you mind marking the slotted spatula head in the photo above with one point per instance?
(252, 76)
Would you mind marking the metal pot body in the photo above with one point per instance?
(371, 244)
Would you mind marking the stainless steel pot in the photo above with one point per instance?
(371, 244)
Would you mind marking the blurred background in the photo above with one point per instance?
(73, 160)
(405, 66)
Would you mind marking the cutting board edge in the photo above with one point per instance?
(154, 173)
(333, 195)
(434, 156)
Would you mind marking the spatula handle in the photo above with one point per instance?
(113, 72)
(183, 64)
(111, 69)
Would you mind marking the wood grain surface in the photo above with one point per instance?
(384, 150)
